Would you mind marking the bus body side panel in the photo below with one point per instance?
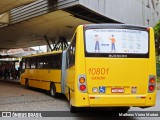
(42, 78)
(34, 80)
(152, 69)
(22, 79)
(47, 76)
(55, 77)
(70, 80)
(28, 75)
(79, 99)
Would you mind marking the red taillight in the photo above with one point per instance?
(82, 87)
(152, 80)
(82, 83)
(151, 87)
(151, 83)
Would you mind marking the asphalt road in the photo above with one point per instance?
(14, 97)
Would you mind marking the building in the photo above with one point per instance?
(26, 25)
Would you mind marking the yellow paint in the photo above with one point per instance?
(120, 73)
(42, 78)
(123, 73)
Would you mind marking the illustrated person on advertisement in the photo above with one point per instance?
(97, 47)
(113, 40)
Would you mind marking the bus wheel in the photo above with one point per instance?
(120, 109)
(124, 109)
(53, 90)
(27, 83)
(72, 108)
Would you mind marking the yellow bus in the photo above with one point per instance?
(106, 65)
(42, 71)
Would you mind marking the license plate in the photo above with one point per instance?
(117, 90)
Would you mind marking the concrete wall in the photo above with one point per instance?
(139, 12)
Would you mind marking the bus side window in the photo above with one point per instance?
(28, 63)
(22, 64)
(55, 61)
(58, 65)
(59, 61)
(40, 65)
(71, 52)
(33, 62)
(39, 62)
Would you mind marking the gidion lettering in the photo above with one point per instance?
(98, 78)
(98, 71)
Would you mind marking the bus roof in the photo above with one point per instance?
(110, 25)
(43, 54)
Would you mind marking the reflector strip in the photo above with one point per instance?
(92, 97)
(143, 97)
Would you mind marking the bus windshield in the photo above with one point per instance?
(120, 41)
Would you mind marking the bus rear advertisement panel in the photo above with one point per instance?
(116, 41)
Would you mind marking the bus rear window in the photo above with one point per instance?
(116, 41)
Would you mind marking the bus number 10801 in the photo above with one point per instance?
(98, 71)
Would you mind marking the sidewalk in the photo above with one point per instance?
(11, 81)
(158, 86)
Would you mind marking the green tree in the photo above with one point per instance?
(157, 37)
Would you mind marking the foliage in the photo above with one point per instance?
(157, 60)
(158, 79)
(157, 28)
(157, 37)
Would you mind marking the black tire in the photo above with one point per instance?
(72, 108)
(120, 109)
(53, 90)
(27, 83)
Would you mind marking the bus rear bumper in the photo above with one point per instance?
(121, 100)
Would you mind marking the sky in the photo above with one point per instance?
(42, 48)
